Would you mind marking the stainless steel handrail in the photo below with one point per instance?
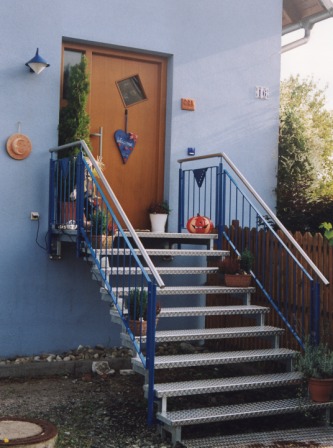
(222, 155)
(115, 201)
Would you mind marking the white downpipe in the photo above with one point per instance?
(297, 43)
(307, 25)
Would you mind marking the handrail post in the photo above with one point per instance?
(79, 199)
(150, 353)
(51, 204)
(181, 199)
(220, 211)
(315, 313)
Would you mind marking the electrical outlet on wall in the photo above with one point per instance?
(34, 216)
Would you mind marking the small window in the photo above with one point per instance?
(131, 90)
(71, 58)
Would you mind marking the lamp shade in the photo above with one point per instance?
(37, 63)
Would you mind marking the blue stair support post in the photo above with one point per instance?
(150, 354)
(181, 199)
(80, 168)
(315, 313)
(51, 203)
(220, 204)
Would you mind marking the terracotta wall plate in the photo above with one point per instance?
(19, 146)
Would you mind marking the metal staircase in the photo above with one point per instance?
(223, 379)
(212, 382)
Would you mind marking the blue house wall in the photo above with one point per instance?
(218, 51)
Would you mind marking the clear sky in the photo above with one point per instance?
(313, 59)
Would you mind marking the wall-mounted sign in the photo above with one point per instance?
(131, 90)
(126, 142)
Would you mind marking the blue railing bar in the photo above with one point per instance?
(265, 207)
(120, 230)
(273, 232)
(129, 226)
(151, 350)
(263, 290)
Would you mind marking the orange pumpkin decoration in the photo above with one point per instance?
(199, 224)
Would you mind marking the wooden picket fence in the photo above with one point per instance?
(268, 255)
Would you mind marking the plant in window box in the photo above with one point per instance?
(316, 365)
(158, 213)
(101, 231)
(137, 306)
(236, 271)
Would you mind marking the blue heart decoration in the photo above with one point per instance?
(126, 142)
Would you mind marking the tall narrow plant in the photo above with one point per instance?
(74, 120)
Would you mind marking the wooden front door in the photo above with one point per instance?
(140, 180)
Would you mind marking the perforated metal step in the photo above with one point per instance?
(313, 437)
(161, 270)
(214, 311)
(166, 252)
(168, 235)
(239, 411)
(209, 386)
(205, 359)
(180, 290)
(215, 333)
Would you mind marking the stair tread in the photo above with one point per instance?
(215, 333)
(212, 310)
(171, 290)
(195, 359)
(161, 270)
(225, 384)
(238, 411)
(166, 252)
(166, 235)
(315, 435)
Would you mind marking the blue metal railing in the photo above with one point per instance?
(80, 205)
(283, 272)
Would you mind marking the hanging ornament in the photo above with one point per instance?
(126, 141)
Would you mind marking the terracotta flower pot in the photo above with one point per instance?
(139, 327)
(238, 280)
(320, 389)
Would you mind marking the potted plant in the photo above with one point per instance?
(99, 225)
(316, 365)
(158, 213)
(137, 306)
(236, 271)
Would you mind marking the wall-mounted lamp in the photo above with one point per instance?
(37, 64)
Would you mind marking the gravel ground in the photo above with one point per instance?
(109, 411)
(89, 412)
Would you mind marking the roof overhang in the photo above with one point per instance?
(303, 14)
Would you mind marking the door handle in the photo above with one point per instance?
(100, 135)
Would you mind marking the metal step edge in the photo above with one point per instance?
(160, 270)
(185, 388)
(214, 311)
(320, 436)
(193, 290)
(165, 252)
(244, 310)
(220, 358)
(214, 333)
(166, 235)
(236, 412)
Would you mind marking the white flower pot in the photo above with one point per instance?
(158, 222)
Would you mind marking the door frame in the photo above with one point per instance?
(162, 61)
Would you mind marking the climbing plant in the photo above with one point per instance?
(74, 120)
